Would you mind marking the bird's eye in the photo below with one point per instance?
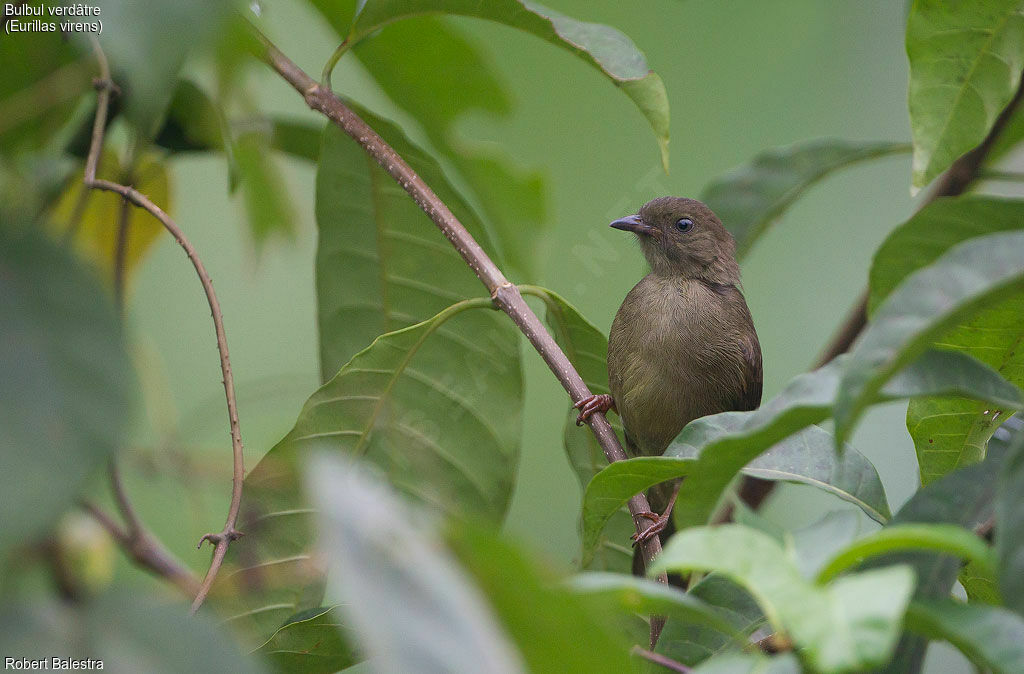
(684, 224)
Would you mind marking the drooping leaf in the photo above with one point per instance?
(692, 643)
(969, 277)
(412, 606)
(128, 633)
(944, 538)
(965, 64)
(268, 207)
(980, 583)
(990, 636)
(714, 449)
(1009, 518)
(148, 42)
(647, 597)
(436, 73)
(435, 409)
(381, 263)
(601, 46)
(950, 432)
(540, 614)
(851, 623)
(66, 389)
(310, 642)
(750, 198)
(964, 497)
(91, 219)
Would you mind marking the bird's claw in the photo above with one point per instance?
(592, 404)
(659, 524)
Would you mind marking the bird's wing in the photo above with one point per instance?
(749, 397)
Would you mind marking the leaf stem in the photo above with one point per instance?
(221, 540)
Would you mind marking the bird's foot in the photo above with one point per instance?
(595, 403)
(659, 524)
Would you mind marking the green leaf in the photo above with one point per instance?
(814, 545)
(714, 449)
(1009, 517)
(381, 263)
(67, 384)
(964, 497)
(647, 597)
(949, 433)
(971, 276)
(148, 41)
(750, 198)
(735, 663)
(965, 64)
(309, 642)
(852, 623)
(945, 538)
(405, 596)
(555, 629)
(992, 637)
(601, 46)
(129, 633)
(267, 205)
(587, 349)
(432, 70)
(436, 409)
(692, 643)
(980, 583)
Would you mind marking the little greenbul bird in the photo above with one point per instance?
(682, 345)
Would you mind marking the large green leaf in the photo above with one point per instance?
(603, 47)
(691, 643)
(736, 663)
(945, 538)
(438, 412)
(555, 629)
(439, 75)
(971, 276)
(66, 389)
(992, 637)
(381, 263)
(1009, 517)
(129, 633)
(647, 597)
(714, 449)
(965, 498)
(965, 64)
(749, 198)
(950, 432)
(849, 624)
(411, 605)
(310, 642)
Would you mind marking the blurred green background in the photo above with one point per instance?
(741, 77)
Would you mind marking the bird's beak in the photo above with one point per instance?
(633, 223)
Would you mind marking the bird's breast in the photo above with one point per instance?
(671, 359)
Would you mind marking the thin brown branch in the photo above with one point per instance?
(659, 659)
(506, 296)
(229, 533)
(147, 552)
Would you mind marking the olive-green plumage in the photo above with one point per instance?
(682, 344)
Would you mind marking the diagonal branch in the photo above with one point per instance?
(505, 295)
(221, 540)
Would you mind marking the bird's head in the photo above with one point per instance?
(684, 237)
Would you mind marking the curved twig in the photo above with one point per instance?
(220, 540)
